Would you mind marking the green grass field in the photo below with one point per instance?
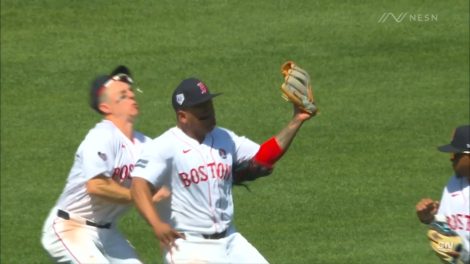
(389, 92)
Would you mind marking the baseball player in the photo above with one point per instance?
(81, 227)
(196, 159)
(454, 208)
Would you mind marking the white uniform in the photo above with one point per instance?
(104, 151)
(455, 207)
(200, 179)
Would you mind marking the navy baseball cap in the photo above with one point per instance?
(460, 142)
(191, 92)
(120, 73)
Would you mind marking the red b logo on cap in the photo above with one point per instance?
(203, 87)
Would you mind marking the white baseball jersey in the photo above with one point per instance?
(104, 151)
(199, 176)
(456, 207)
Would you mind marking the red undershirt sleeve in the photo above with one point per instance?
(269, 153)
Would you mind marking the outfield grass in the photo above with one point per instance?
(388, 93)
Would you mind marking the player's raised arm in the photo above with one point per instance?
(297, 89)
(273, 149)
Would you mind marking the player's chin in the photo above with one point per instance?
(135, 109)
(134, 113)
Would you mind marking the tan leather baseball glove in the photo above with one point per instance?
(297, 87)
(444, 241)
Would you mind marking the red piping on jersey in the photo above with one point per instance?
(63, 243)
(213, 212)
(269, 152)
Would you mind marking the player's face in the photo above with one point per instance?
(461, 164)
(201, 118)
(120, 100)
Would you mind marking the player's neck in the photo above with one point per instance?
(126, 126)
(190, 133)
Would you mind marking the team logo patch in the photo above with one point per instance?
(180, 98)
(142, 163)
(103, 156)
(202, 87)
(222, 153)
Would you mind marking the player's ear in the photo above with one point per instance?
(182, 116)
(104, 108)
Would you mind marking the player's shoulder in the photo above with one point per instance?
(457, 183)
(104, 126)
(102, 131)
(141, 137)
(223, 132)
(166, 136)
(162, 143)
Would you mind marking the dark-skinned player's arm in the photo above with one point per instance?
(273, 149)
(270, 151)
(426, 209)
(142, 196)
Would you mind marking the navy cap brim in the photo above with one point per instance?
(450, 149)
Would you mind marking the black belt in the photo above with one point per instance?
(65, 215)
(216, 235)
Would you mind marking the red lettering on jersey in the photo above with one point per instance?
(116, 174)
(468, 222)
(459, 222)
(194, 176)
(204, 176)
(451, 222)
(124, 172)
(201, 173)
(220, 170)
(211, 165)
(185, 179)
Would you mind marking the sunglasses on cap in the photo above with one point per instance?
(121, 77)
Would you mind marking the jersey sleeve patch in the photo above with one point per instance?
(142, 163)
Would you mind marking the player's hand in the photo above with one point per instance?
(167, 235)
(301, 115)
(162, 194)
(426, 209)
